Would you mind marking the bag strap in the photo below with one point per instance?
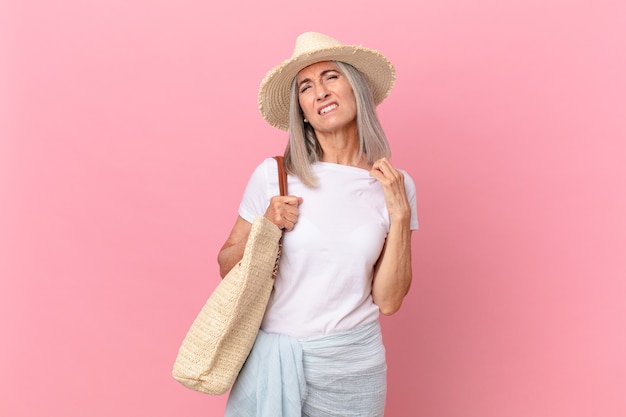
(282, 184)
(282, 175)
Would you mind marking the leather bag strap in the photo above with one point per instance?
(282, 175)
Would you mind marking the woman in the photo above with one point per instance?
(346, 253)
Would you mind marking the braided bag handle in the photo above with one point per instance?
(282, 185)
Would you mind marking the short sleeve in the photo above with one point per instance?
(261, 187)
(409, 186)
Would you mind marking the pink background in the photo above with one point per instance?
(128, 131)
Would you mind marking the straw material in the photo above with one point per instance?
(222, 335)
(312, 47)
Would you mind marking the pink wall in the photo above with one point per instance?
(127, 133)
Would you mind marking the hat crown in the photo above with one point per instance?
(313, 41)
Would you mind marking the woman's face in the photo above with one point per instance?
(326, 97)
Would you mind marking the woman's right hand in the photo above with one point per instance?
(283, 211)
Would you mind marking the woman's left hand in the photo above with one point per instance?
(392, 182)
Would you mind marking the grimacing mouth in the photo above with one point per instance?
(327, 108)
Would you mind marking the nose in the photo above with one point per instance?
(321, 92)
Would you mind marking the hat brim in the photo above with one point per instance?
(274, 91)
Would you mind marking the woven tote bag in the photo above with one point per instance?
(223, 333)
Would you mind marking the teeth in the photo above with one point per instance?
(328, 108)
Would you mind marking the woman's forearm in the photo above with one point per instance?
(393, 273)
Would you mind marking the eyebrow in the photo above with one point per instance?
(326, 71)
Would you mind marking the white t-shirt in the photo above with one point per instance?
(325, 273)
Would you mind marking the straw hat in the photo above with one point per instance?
(312, 47)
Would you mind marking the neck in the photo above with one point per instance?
(343, 153)
(340, 146)
(339, 151)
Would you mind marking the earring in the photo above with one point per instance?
(306, 121)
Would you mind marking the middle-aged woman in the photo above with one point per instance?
(346, 253)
